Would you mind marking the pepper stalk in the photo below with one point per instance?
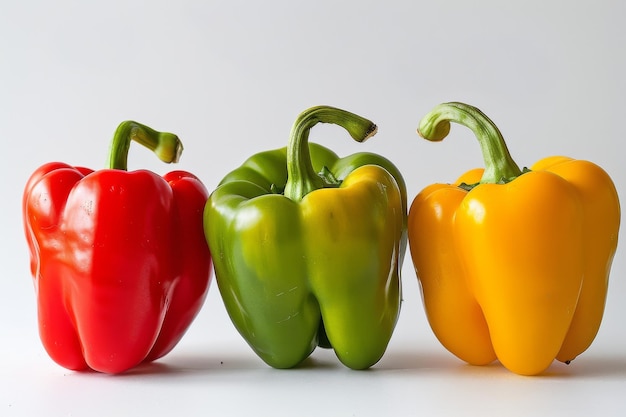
(301, 176)
(167, 146)
(500, 168)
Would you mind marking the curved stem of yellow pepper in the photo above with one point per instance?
(165, 145)
(301, 177)
(499, 166)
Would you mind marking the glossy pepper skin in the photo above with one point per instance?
(303, 259)
(516, 268)
(119, 259)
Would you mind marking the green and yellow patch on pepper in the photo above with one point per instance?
(308, 247)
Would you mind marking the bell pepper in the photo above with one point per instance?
(513, 264)
(119, 260)
(308, 247)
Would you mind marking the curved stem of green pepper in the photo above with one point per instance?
(499, 166)
(301, 177)
(165, 145)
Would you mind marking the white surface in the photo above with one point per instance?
(230, 77)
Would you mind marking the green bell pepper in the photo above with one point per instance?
(305, 259)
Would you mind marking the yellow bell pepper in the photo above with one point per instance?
(513, 264)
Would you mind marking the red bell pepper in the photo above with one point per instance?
(119, 259)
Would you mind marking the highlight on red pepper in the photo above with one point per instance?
(119, 261)
(309, 246)
(513, 263)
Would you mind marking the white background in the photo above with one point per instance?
(229, 77)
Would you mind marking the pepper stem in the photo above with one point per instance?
(165, 145)
(499, 166)
(301, 177)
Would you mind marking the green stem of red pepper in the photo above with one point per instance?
(301, 177)
(165, 145)
(499, 166)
